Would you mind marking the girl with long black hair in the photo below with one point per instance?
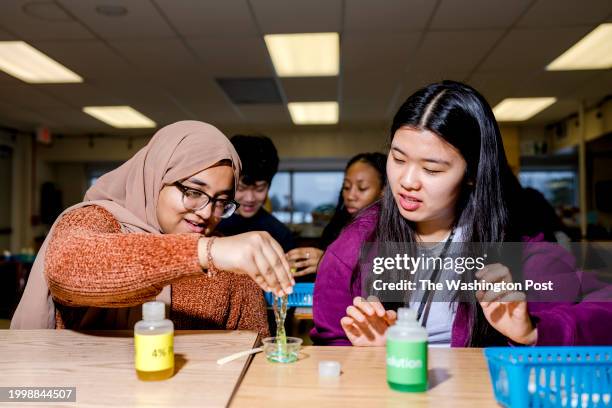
(448, 181)
(364, 180)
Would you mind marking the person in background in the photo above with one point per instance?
(145, 231)
(541, 217)
(449, 182)
(259, 165)
(364, 180)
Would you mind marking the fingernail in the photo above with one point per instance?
(289, 290)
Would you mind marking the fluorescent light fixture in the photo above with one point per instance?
(304, 55)
(21, 60)
(119, 116)
(518, 109)
(313, 113)
(594, 51)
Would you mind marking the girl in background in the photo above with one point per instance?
(364, 181)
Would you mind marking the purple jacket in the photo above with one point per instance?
(586, 323)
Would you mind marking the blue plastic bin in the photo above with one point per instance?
(579, 377)
(301, 296)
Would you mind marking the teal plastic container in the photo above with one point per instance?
(551, 376)
(301, 296)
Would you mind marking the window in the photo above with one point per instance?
(96, 170)
(560, 187)
(295, 194)
(280, 196)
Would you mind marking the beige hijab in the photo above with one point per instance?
(130, 193)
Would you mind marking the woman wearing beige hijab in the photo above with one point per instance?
(144, 231)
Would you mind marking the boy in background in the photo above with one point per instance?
(259, 165)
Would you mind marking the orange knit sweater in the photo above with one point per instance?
(91, 263)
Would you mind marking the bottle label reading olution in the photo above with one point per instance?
(406, 362)
(154, 353)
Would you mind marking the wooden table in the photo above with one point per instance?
(101, 367)
(457, 378)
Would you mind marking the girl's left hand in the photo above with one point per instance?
(304, 260)
(506, 311)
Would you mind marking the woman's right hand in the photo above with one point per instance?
(366, 322)
(256, 254)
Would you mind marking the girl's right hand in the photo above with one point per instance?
(366, 322)
(256, 254)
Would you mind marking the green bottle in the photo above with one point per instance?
(407, 353)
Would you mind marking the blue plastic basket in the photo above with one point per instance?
(578, 377)
(301, 296)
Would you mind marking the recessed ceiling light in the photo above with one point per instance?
(313, 113)
(120, 116)
(519, 109)
(304, 55)
(21, 60)
(594, 51)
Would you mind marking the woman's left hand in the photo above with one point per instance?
(304, 260)
(506, 310)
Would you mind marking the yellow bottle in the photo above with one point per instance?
(154, 344)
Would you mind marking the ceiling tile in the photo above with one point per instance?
(298, 16)
(558, 13)
(142, 20)
(470, 14)
(310, 89)
(217, 114)
(23, 118)
(376, 87)
(71, 120)
(416, 80)
(554, 83)
(6, 36)
(30, 23)
(495, 86)
(202, 90)
(363, 113)
(89, 59)
(233, 57)
(454, 51)
(227, 18)
(28, 96)
(163, 59)
(560, 109)
(531, 49)
(595, 89)
(265, 114)
(377, 51)
(387, 16)
(79, 95)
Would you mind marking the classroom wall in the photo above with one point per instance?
(21, 193)
(295, 145)
(599, 153)
(6, 163)
(598, 122)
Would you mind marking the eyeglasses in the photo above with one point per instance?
(195, 200)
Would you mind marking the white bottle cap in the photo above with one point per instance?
(154, 311)
(329, 369)
(406, 315)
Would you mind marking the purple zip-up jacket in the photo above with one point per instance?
(558, 323)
